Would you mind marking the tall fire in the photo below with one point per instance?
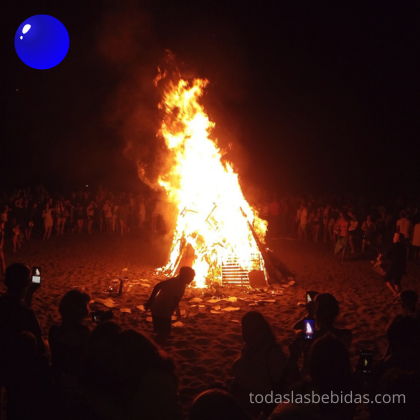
(217, 232)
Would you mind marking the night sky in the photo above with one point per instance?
(313, 96)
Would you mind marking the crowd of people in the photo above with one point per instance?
(329, 218)
(28, 213)
(110, 373)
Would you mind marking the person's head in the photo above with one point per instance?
(329, 364)
(409, 299)
(101, 340)
(186, 274)
(74, 307)
(403, 335)
(132, 356)
(17, 278)
(401, 382)
(369, 218)
(217, 404)
(255, 329)
(326, 309)
(403, 214)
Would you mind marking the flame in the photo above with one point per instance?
(214, 217)
(309, 329)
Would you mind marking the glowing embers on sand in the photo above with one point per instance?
(216, 231)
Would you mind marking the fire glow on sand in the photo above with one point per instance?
(216, 228)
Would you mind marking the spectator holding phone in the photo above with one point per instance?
(165, 299)
(15, 312)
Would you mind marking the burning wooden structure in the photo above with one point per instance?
(217, 232)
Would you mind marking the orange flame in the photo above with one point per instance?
(213, 213)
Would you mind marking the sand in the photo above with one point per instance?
(209, 339)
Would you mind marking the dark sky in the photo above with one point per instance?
(314, 96)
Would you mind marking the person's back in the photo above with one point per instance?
(133, 379)
(404, 225)
(69, 341)
(15, 316)
(166, 300)
(261, 365)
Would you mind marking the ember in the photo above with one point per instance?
(217, 230)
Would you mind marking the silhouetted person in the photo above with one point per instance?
(329, 372)
(397, 255)
(28, 383)
(260, 368)
(326, 312)
(403, 336)
(164, 301)
(401, 384)
(409, 300)
(69, 341)
(132, 379)
(15, 313)
(216, 404)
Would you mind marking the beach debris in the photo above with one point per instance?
(141, 307)
(195, 300)
(125, 269)
(125, 310)
(109, 303)
(291, 282)
(178, 324)
(231, 309)
(268, 300)
(301, 304)
(216, 308)
(149, 319)
(253, 304)
(216, 312)
(230, 299)
(213, 300)
(144, 284)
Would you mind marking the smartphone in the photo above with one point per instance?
(308, 329)
(36, 275)
(366, 361)
(310, 296)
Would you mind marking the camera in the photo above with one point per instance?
(102, 316)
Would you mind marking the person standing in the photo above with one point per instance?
(341, 229)
(48, 221)
(415, 242)
(302, 219)
(164, 301)
(90, 213)
(404, 226)
(397, 268)
(2, 263)
(353, 224)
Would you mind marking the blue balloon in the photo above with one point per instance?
(42, 42)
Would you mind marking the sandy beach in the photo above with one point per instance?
(209, 339)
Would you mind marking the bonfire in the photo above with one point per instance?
(217, 232)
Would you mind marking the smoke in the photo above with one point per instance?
(131, 51)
